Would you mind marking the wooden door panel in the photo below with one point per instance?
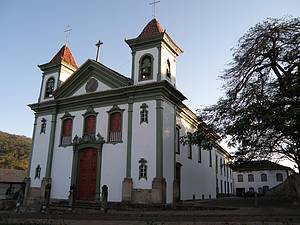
(87, 174)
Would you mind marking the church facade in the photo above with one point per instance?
(95, 127)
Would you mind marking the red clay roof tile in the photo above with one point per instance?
(64, 54)
(151, 29)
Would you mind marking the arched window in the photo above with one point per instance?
(90, 125)
(115, 127)
(67, 126)
(264, 177)
(250, 178)
(49, 88)
(168, 71)
(146, 66)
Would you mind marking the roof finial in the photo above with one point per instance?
(98, 44)
(67, 31)
(153, 7)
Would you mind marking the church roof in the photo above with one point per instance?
(65, 55)
(153, 28)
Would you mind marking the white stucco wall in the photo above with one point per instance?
(65, 73)
(113, 156)
(271, 179)
(165, 55)
(197, 179)
(223, 178)
(137, 57)
(101, 87)
(40, 150)
(169, 147)
(143, 145)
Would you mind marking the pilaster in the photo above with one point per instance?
(127, 189)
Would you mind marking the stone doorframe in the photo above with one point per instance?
(87, 141)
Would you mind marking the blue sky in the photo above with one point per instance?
(32, 32)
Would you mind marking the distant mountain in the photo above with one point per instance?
(14, 151)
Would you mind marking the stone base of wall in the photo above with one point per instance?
(142, 196)
(156, 195)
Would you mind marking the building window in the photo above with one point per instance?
(90, 125)
(265, 189)
(221, 182)
(221, 166)
(210, 158)
(143, 169)
(250, 178)
(199, 154)
(168, 71)
(144, 113)
(251, 189)
(279, 177)
(43, 126)
(217, 165)
(146, 67)
(190, 147)
(37, 172)
(49, 87)
(115, 124)
(240, 178)
(67, 125)
(264, 177)
(177, 140)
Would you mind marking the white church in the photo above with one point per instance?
(94, 127)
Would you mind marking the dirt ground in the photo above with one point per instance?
(221, 211)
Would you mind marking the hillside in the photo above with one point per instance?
(14, 151)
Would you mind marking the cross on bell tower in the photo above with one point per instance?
(153, 4)
(67, 30)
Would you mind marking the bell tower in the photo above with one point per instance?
(55, 72)
(154, 55)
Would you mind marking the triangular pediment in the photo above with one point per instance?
(91, 77)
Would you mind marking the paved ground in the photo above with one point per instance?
(225, 211)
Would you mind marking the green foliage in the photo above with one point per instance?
(14, 151)
(261, 110)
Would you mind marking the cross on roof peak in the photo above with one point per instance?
(153, 4)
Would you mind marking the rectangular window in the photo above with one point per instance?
(190, 150)
(250, 178)
(177, 140)
(115, 131)
(217, 166)
(221, 166)
(199, 154)
(210, 158)
(240, 178)
(67, 125)
(279, 177)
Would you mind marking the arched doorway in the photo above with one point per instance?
(87, 174)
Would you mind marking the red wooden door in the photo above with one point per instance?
(87, 175)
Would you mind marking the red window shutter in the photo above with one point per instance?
(67, 127)
(90, 125)
(115, 122)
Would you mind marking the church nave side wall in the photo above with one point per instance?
(197, 178)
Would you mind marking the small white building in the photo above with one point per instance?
(95, 127)
(258, 176)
